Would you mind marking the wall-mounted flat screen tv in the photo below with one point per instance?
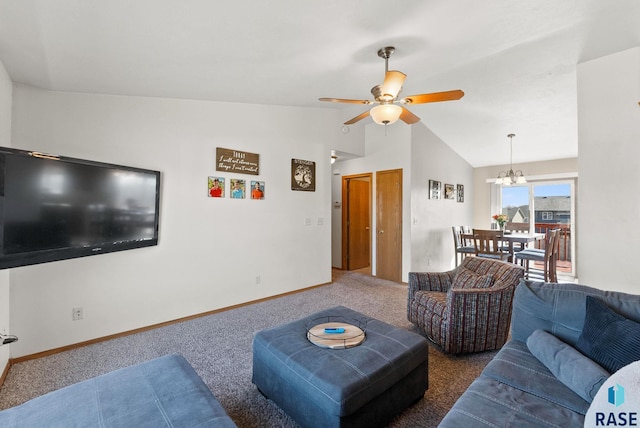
(56, 208)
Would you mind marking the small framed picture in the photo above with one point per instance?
(215, 187)
(435, 189)
(257, 189)
(449, 191)
(303, 175)
(237, 190)
(460, 193)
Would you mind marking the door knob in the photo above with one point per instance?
(381, 232)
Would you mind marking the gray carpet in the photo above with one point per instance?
(219, 348)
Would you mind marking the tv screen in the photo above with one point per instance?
(55, 208)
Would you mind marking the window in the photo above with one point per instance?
(542, 205)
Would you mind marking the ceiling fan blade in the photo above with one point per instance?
(433, 97)
(357, 118)
(393, 81)
(407, 117)
(342, 100)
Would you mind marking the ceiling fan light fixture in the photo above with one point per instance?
(385, 114)
(392, 85)
(386, 95)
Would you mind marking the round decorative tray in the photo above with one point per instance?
(341, 333)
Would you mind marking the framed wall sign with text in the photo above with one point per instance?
(237, 162)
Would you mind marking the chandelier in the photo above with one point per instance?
(507, 178)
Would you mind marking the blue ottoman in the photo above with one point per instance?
(164, 392)
(366, 385)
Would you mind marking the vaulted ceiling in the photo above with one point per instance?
(515, 61)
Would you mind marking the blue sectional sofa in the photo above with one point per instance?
(566, 340)
(164, 392)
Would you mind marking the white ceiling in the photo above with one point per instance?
(515, 60)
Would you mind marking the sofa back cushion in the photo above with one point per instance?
(560, 308)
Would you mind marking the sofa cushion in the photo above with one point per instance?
(488, 403)
(582, 375)
(467, 279)
(516, 390)
(540, 305)
(515, 365)
(609, 338)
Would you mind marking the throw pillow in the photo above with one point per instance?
(574, 370)
(607, 337)
(466, 279)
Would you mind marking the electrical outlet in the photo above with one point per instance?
(76, 314)
(258, 280)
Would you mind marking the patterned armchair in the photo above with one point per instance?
(467, 309)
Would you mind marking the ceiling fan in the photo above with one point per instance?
(387, 110)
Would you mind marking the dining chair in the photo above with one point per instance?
(462, 247)
(547, 256)
(487, 244)
(517, 228)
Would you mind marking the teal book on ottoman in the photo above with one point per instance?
(351, 386)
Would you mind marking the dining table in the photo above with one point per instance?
(511, 238)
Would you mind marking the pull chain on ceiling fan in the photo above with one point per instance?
(388, 110)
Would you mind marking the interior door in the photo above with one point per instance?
(357, 221)
(389, 225)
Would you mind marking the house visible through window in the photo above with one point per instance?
(543, 205)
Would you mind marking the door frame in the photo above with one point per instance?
(345, 215)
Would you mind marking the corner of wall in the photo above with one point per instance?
(6, 102)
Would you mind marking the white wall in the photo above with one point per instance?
(6, 89)
(431, 236)
(426, 223)
(609, 136)
(210, 250)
